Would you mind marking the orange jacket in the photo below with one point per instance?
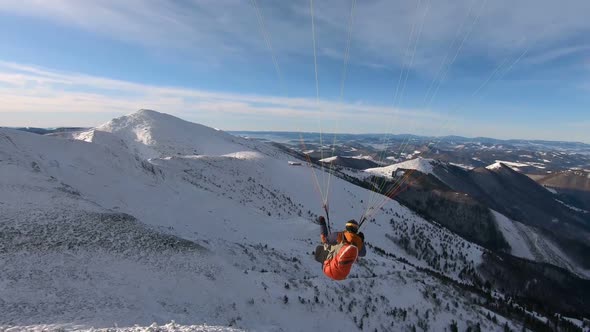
(339, 265)
(338, 237)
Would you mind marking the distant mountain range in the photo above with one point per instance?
(45, 131)
(535, 158)
(328, 138)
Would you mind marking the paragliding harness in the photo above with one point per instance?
(342, 243)
(340, 257)
(330, 250)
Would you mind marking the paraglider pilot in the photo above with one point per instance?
(341, 249)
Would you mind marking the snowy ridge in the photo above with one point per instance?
(333, 158)
(572, 207)
(463, 166)
(329, 159)
(150, 134)
(423, 165)
(124, 227)
(514, 165)
(551, 190)
(363, 157)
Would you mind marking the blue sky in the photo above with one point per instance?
(505, 69)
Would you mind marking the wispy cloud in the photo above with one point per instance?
(32, 89)
(226, 28)
(557, 53)
(195, 33)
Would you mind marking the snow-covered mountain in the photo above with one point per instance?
(150, 134)
(516, 166)
(539, 220)
(150, 218)
(423, 165)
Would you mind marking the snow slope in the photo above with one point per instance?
(528, 242)
(135, 223)
(514, 233)
(423, 165)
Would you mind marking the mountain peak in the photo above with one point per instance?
(144, 117)
(151, 134)
(153, 115)
(147, 112)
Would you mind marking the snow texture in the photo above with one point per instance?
(420, 164)
(149, 218)
(170, 327)
(514, 233)
(528, 242)
(572, 207)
